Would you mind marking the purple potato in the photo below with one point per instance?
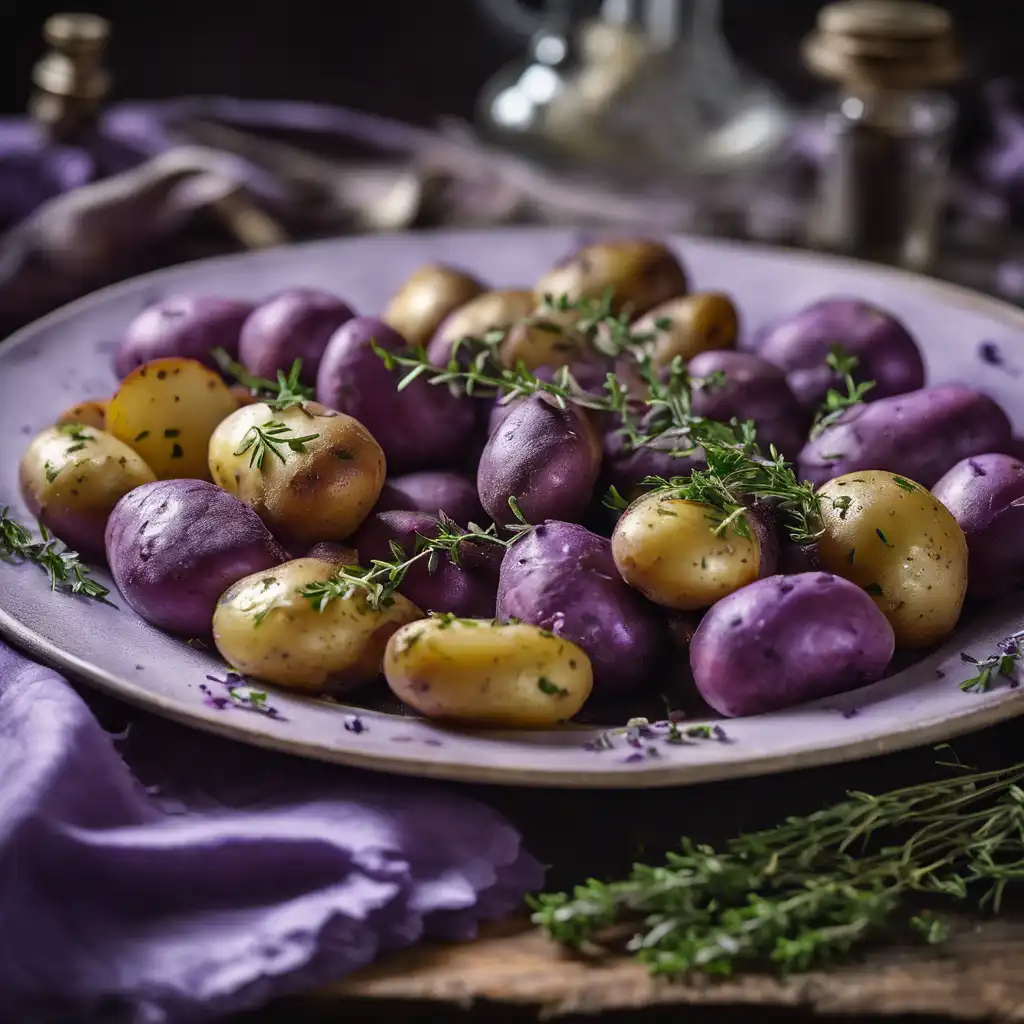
(174, 546)
(544, 457)
(186, 326)
(785, 640)
(985, 493)
(754, 389)
(919, 435)
(625, 468)
(293, 324)
(562, 577)
(468, 592)
(800, 344)
(423, 426)
(438, 491)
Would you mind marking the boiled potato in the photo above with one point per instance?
(91, 413)
(892, 537)
(487, 673)
(312, 474)
(72, 476)
(166, 410)
(264, 627)
(544, 338)
(489, 311)
(667, 549)
(641, 274)
(702, 322)
(426, 298)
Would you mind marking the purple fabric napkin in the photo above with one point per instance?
(164, 875)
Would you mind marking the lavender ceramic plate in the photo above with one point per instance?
(66, 357)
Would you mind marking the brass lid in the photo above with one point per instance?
(884, 44)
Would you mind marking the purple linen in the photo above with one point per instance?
(170, 876)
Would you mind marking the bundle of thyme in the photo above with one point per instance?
(283, 393)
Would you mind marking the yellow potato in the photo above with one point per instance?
(72, 476)
(426, 298)
(667, 549)
(166, 410)
(488, 311)
(265, 628)
(640, 273)
(90, 413)
(487, 673)
(698, 323)
(890, 536)
(543, 339)
(311, 474)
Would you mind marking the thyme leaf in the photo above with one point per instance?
(837, 402)
(272, 437)
(283, 393)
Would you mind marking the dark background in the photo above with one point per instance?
(406, 58)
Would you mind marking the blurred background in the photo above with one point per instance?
(710, 116)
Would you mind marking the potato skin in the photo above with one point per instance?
(891, 536)
(467, 592)
(980, 493)
(71, 478)
(90, 413)
(293, 324)
(167, 411)
(434, 491)
(700, 322)
(426, 298)
(320, 494)
(174, 546)
(641, 272)
(561, 577)
(265, 629)
(788, 639)
(493, 310)
(800, 344)
(546, 458)
(919, 435)
(183, 326)
(479, 672)
(423, 426)
(666, 548)
(625, 468)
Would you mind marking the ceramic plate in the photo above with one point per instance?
(67, 356)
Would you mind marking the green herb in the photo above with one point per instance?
(837, 402)
(172, 432)
(63, 565)
(142, 436)
(272, 437)
(882, 537)
(178, 452)
(811, 889)
(874, 589)
(283, 393)
(50, 471)
(1003, 663)
(903, 483)
(550, 689)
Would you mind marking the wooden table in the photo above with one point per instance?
(513, 973)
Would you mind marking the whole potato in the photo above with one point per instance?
(544, 457)
(461, 590)
(184, 326)
(426, 298)
(701, 322)
(788, 639)
(626, 467)
(892, 537)
(562, 577)
(174, 546)
(487, 673)
(266, 629)
(489, 311)
(547, 337)
(71, 478)
(435, 492)
(985, 494)
(667, 548)
(167, 411)
(293, 324)
(920, 435)
(319, 475)
(800, 344)
(640, 272)
(90, 413)
(424, 426)
(753, 389)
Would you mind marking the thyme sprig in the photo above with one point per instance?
(1003, 663)
(64, 567)
(597, 326)
(273, 437)
(811, 889)
(284, 393)
(837, 402)
(379, 581)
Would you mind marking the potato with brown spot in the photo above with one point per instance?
(310, 473)
(426, 298)
(688, 325)
(266, 629)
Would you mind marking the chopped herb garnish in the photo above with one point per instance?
(177, 451)
(882, 538)
(50, 471)
(837, 402)
(1003, 663)
(903, 483)
(172, 432)
(874, 589)
(272, 436)
(142, 435)
(551, 689)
